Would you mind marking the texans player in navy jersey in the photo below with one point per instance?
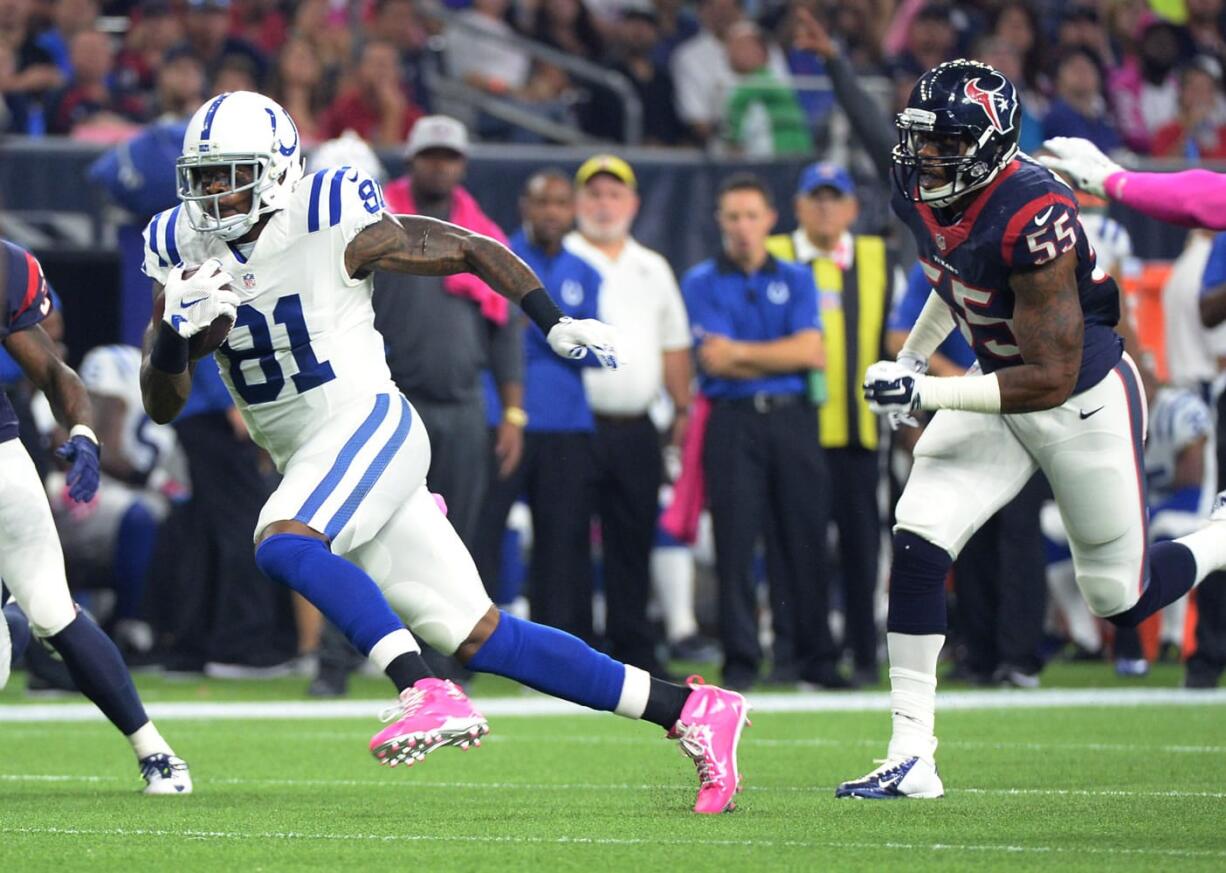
(1001, 244)
(31, 560)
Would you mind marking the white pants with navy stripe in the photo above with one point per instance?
(361, 481)
(1091, 448)
(31, 560)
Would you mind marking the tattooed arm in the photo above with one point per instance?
(1049, 327)
(428, 247)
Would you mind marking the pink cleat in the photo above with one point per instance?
(432, 714)
(708, 732)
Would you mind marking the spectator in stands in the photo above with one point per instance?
(640, 298)
(763, 116)
(27, 71)
(1079, 27)
(398, 22)
(634, 53)
(91, 96)
(208, 37)
(1205, 25)
(567, 25)
(1199, 131)
(480, 53)
(375, 103)
(1144, 88)
(759, 334)
(235, 73)
(677, 23)
(1080, 108)
(702, 75)
(69, 17)
(152, 32)
(861, 25)
(931, 38)
(1017, 25)
(548, 94)
(857, 277)
(298, 85)
(1122, 23)
(261, 23)
(557, 468)
(325, 30)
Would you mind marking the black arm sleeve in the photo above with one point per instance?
(873, 129)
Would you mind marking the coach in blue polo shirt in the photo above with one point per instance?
(758, 334)
(557, 469)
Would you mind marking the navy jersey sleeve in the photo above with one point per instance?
(27, 294)
(1040, 230)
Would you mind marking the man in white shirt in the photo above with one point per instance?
(640, 298)
(702, 75)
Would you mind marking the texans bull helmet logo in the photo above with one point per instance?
(995, 104)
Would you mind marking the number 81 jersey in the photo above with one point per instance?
(304, 344)
(1025, 218)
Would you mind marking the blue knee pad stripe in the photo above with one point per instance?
(340, 590)
(373, 472)
(551, 661)
(347, 453)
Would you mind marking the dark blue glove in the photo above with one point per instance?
(82, 479)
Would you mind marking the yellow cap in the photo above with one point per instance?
(611, 164)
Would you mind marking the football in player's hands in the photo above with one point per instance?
(208, 340)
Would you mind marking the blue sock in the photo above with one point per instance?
(917, 586)
(340, 590)
(99, 671)
(134, 544)
(1172, 573)
(19, 630)
(551, 661)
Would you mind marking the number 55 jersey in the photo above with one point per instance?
(304, 344)
(1025, 218)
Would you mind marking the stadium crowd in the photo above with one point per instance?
(739, 515)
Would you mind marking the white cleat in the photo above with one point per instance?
(166, 774)
(896, 778)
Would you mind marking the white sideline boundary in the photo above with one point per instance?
(539, 705)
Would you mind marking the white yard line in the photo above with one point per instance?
(412, 782)
(1101, 851)
(539, 705)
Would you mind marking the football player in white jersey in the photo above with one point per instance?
(141, 468)
(352, 526)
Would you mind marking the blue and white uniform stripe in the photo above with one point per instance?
(325, 210)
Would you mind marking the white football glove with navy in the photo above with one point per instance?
(193, 303)
(913, 364)
(573, 339)
(1080, 160)
(892, 389)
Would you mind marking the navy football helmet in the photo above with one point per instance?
(960, 129)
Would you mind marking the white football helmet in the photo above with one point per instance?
(233, 130)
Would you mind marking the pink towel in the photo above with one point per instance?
(466, 213)
(680, 519)
(1191, 198)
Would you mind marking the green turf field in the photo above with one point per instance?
(1061, 788)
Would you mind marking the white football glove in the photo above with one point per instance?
(193, 303)
(891, 387)
(916, 364)
(573, 339)
(1081, 161)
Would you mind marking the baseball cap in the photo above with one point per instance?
(825, 175)
(610, 165)
(437, 132)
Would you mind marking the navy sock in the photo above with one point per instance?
(917, 586)
(340, 590)
(1172, 573)
(133, 553)
(551, 661)
(19, 630)
(99, 671)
